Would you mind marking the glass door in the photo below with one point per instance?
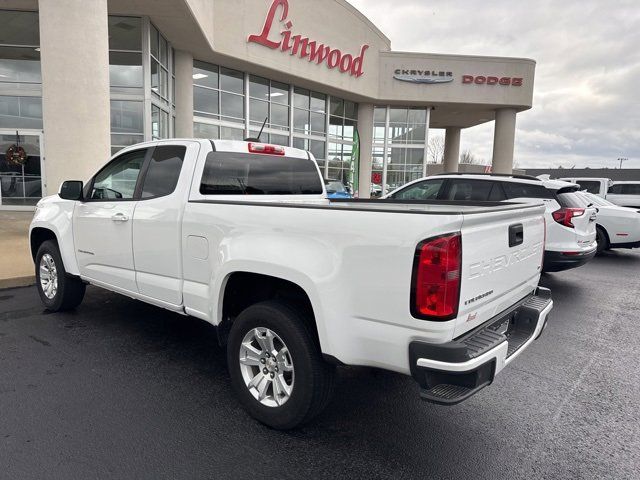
(21, 181)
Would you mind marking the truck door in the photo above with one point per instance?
(157, 221)
(102, 224)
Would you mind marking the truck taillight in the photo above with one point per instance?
(544, 242)
(435, 291)
(266, 149)
(565, 215)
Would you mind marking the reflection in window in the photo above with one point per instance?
(159, 123)
(125, 33)
(126, 117)
(269, 100)
(20, 28)
(204, 130)
(19, 65)
(125, 69)
(20, 112)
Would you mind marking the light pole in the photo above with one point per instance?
(622, 160)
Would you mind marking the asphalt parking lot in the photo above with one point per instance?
(120, 389)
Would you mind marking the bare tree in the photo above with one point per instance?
(436, 149)
(469, 158)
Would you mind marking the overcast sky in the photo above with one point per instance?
(586, 109)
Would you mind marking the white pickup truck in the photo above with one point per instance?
(241, 235)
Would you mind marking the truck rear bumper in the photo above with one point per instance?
(451, 372)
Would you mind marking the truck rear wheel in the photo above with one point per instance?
(276, 368)
(58, 291)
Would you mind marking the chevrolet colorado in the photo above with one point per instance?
(242, 235)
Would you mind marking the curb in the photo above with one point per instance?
(17, 282)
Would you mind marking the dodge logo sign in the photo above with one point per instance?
(490, 80)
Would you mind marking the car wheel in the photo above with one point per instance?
(602, 239)
(276, 366)
(58, 290)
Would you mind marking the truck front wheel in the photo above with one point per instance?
(58, 290)
(276, 368)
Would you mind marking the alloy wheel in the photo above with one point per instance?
(267, 367)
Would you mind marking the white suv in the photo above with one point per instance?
(571, 219)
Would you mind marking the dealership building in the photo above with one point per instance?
(81, 79)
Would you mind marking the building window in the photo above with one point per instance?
(400, 144)
(159, 51)
(162, 85)
(218, 92)
(125, 55)
(126, 80)
(232, 105)
(268, 101)
(129, 72)
(127, 123)
(20, 107)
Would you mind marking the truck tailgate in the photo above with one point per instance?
(501, 262)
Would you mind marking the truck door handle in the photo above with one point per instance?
(516, 235)
(119, 217)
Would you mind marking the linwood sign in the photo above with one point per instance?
(304, 47)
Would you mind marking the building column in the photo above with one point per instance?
(74, 50)
(451, 149)
(503, 140)
(365, 131)
(184, 94)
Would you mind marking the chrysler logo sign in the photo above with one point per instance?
(423, 76)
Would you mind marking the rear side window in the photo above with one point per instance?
(164, 170)
(525, 190)
(616, 189)
(231, 173)
(572, 200)
(589, 186)
(474, 190)
(630, 188)
(427, 190)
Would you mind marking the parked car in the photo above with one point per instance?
(597, 186)
(336, 189)
(241, 235)
(570, 222)
(625, 194)
(617, 227)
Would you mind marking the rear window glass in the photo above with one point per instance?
(231, 173)
(525, 190)
(572, 200)
(589, 186)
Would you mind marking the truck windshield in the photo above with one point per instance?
(235, 173)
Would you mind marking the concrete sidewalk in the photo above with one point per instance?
(16, 265)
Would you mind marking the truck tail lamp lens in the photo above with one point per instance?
(565, 215)
(435, 292)
(266, 149)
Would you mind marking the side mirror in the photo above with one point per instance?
(71, 190)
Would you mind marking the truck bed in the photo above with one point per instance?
(431, 207)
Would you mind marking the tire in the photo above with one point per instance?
(66, 292)
(602, 239)
(310, 379)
